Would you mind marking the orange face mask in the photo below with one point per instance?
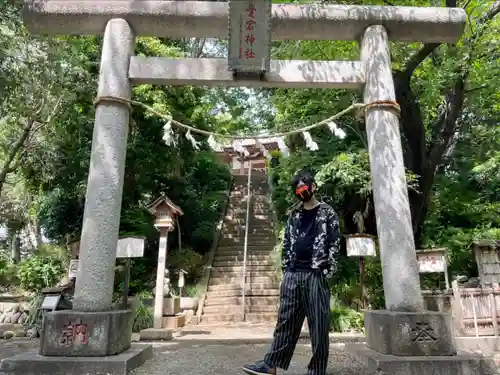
(303, 193)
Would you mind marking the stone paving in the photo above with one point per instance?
(176, 357)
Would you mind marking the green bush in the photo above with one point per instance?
(191, 291)
(187, 260)
(8, 273)
(144, 317)
(343, 319)
(39, 271)
(34, 305)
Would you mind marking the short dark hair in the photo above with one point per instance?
(305, 175)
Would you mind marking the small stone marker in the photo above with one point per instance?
(73, 268)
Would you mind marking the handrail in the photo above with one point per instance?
(245, 246)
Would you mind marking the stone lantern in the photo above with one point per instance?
(165, 212)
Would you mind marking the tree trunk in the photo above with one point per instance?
(15, 249)
(415, 152)
(9, 165)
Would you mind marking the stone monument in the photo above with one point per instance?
(398, 337)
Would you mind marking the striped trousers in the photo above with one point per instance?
(302, 294)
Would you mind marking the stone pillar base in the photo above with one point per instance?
(34, 364)
(86, 334)
(384, 364)
(426, 333)
(405, 343)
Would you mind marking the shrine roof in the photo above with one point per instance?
(164, 199)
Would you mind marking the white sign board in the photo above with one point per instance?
(51, 302)
(362, 246)
(249, 35)
(73, 268)
(431, 262)
(130, 247)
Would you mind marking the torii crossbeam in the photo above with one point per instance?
(206, 19)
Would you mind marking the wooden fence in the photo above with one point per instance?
(476, 310)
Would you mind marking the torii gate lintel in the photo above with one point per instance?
(206, 19)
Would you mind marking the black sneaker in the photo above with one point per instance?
(259, 368)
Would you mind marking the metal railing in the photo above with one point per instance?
(245, 245)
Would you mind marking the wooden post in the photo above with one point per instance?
(126, 282)
(446, 277)
(160, 278)
(457, 309)
(476, 327)
(364, 303)
(493, 310)
(242, 165)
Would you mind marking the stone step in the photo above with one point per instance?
(216, 318)
(241, 212)
(253, 241)
(230, 243)
(234, 247)
(241, 197)
(266, 231)
(236, 280)
(235, 309)
(255, 236)
(237, 293)
(273, 300)
(249, 272)
(236, 228)
(236, 317)
(239, 221)
(244, 189)
(240, 249)
(233, 263)
(242, 207)
(253, 228)
(241, 201)
(250, 286)
(234, 252)
(261, 317)
(250, 257)
(240, 268)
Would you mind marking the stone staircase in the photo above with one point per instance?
(224, 297)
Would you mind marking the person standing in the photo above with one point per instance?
(310, 250)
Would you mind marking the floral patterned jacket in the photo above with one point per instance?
(326, 246)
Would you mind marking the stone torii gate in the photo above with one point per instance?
(403, 329)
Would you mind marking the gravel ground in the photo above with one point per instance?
(12, 347)
(205, 359)
(188, 357)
